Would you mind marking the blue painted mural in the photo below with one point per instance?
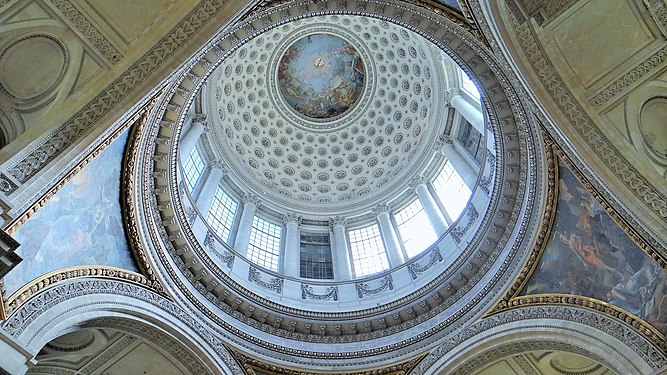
(588, 254)
(80, 225)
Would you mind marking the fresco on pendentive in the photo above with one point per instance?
(588, 254)
(321, 76)
(80, 225)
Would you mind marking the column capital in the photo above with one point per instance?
(219, 165)
(337, 221)
(292, 217)
(443, 139)
(200, 118)
(450, 94)
(250, 198)
(380, 208)
(416, 181)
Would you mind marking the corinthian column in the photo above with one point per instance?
(435, 216)
(250, 203)
(292, 257)
(341, 251)
(388, 231)
(190, 138)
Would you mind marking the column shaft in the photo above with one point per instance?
(391, 243)
(435, 216)
(245, 227)
(461, 165)
(341, 253)
(292, 256)
(190, 138)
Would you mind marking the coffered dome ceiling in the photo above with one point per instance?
(329, 114)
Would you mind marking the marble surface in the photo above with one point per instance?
(80, 225)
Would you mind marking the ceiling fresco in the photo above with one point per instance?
(321, 76)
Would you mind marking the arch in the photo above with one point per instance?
(72, 305)
(575, 330)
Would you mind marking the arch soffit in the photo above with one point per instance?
(89, 303)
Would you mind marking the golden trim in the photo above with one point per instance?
(606, 308)
(3, 312)
(140, 116)
(34, 287)
(129, 166)
(544, 232)
(249, 364)
(511, 299)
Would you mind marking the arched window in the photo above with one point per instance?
(221, 215)
(193, 168)
(264, 245)
(368, 254)
(415, 229)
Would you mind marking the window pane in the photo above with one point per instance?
(451, 190)
(193, 168)
(469, 86)
(415, 229)
(472, 141)
(316, 260)
(221, 215)
(264, 245)
(368, 254)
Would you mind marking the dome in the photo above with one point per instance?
(344, 159)
(336, 181)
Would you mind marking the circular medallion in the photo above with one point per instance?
(321, 76)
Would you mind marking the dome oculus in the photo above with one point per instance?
(321, 76)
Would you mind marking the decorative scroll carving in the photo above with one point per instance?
(227, 257)
(275, 283)
(330, 293)
(292, 217)
(380, 208)
(485, 182)
(415, 269)
(250, 199)
(338, 220)
(416, 181)
(364, 290)
(7, 186)
(647, 66)
(82, 24)
(459, 232)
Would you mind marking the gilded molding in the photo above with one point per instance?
(511, 299)
(23, 295)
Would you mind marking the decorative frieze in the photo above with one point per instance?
(275, 283)
(363, 289)
(307, 292)
(434, 257)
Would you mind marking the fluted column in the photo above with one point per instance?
(206, 196)
(431, 208)
(461, 165)
(391, 243)
(190, 138)
(292, 256)
(341, 250)
(250, 203)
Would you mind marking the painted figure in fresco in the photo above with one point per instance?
(588, 254)
(321, 76)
